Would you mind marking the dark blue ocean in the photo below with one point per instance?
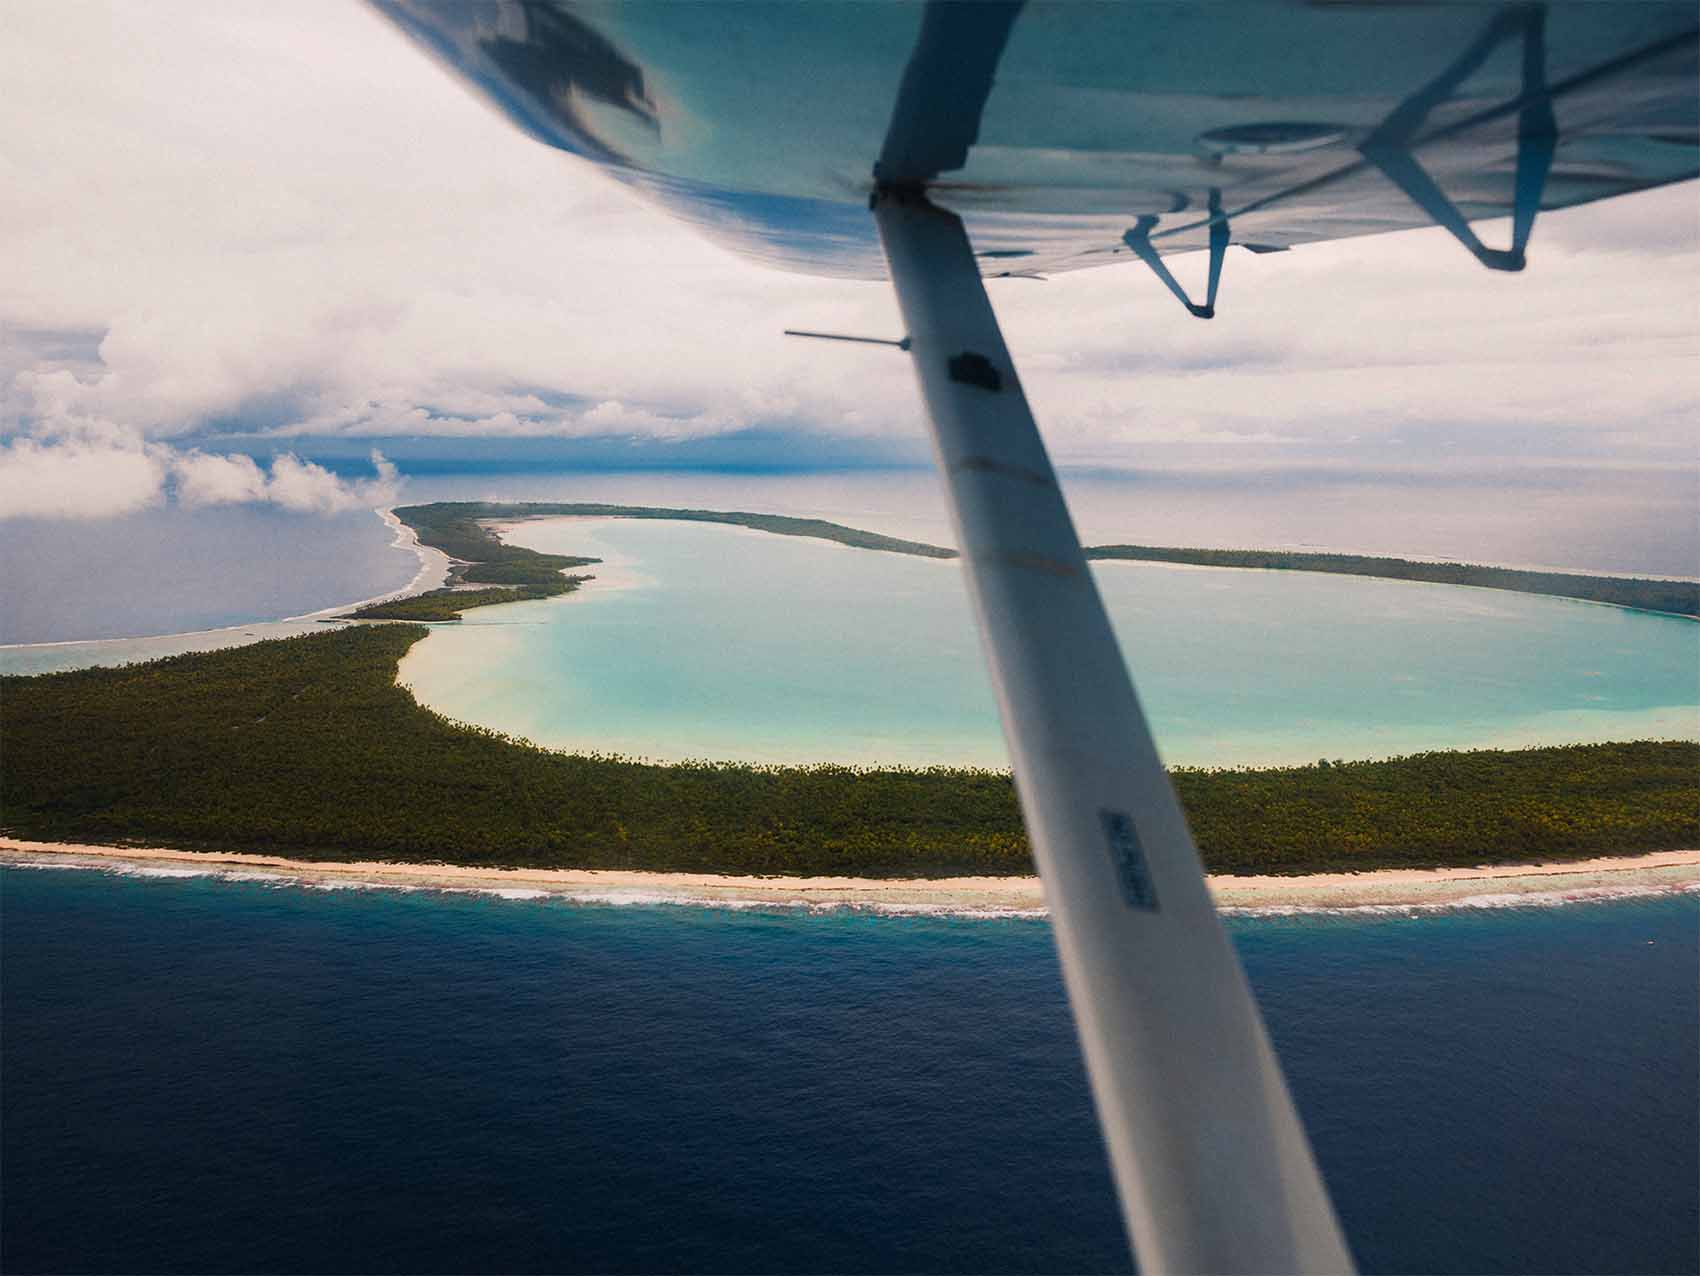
(205, 1075)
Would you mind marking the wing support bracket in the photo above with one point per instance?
(1139, 240)
(1390, 147)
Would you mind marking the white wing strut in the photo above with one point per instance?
(1213, 1168)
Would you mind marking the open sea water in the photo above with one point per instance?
(204, 1075)
(174, 570)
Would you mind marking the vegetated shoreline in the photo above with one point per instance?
(475, 557)
(458, 529)
(1506, 885)
(307, 748)
(883, 826)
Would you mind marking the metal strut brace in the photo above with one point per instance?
(901, 343)
(1213, 1168)
(1139, 239)
(1389, 148)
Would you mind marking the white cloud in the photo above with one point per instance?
(78, 479)
(102, 471)
(283, 220)
(209, 479)
(311, 489)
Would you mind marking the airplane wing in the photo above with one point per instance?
(1289, 122)
(936, 144)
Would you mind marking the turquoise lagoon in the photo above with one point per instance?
(708, 642)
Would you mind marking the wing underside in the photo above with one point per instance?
(1108, 128)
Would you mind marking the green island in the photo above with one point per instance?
(479, 557)
(511, 572)
(1676, 597)
(308, 747)
(456, 528)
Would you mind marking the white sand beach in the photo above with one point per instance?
(1393, 889)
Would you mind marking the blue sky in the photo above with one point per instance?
(258, 230)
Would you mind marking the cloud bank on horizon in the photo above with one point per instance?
(258, 229)
(108, 475)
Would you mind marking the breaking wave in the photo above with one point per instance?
(621, 897)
